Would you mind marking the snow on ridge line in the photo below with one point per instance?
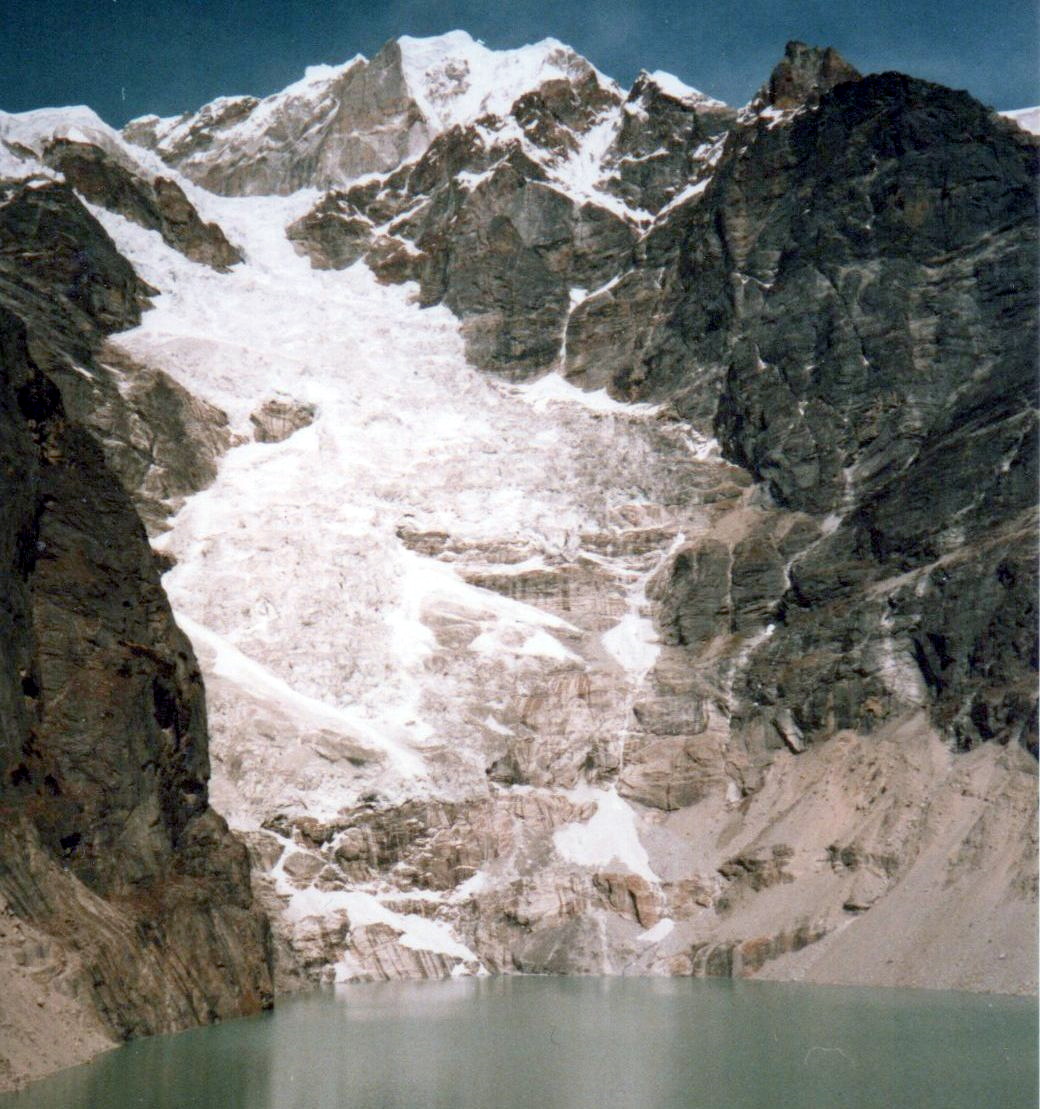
(37, 128)
(77, 124)
(672, 86)
(317, 74)
(1027, 118)
(453, 77)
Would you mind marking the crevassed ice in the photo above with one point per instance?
(291, 563)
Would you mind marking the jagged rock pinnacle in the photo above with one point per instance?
(804, 73)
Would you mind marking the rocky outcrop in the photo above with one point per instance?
(914, 426)
(62, 275)
(900, 411)
(484, 232)
(59, 268)
(663, 145)
(161, 441)
(803, 75)
(506, 264)
(109, 848)
(278, 418)
(158, 205)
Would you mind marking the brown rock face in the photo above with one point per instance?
(158, 205)
(63, 277)
(501, 252)
(804, 74)
(276, 419)
(554, 113)
(107, 844)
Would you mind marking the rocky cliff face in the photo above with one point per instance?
(126, 902)
(832, 191)
(511, 219)
(900, 412)
(607, 527)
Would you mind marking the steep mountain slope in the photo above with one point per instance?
(125, 901)
(606, 521)
(341, 122)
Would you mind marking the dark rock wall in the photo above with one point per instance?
(655, 153)
(107, 842)
(62, 275)
(861, 283)
(59, 268)
(905, 217)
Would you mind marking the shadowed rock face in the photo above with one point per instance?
(58, 264)
(852, 305)
(905, 403)
(62, 275)
(108, 847)
(507, 260)
(659, 146)
(804, 74)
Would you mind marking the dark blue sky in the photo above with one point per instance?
(128, 57)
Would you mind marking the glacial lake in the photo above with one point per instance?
(580, 1043)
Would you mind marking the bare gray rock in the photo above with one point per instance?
(276, 419)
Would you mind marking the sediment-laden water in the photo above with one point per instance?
(580, 1043)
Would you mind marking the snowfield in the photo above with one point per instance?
(315, 623)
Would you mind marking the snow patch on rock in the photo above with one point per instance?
(609, 838)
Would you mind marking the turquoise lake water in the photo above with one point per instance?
(580, 1043)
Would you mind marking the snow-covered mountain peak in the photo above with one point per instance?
(456, 79)
(340, 122)
(671, 86)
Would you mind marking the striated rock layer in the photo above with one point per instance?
(125, 905)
